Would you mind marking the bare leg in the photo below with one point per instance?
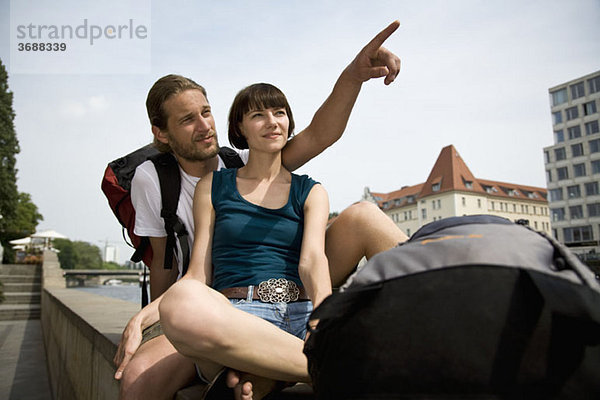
(156, 371)
(203, 325)
(360, 230)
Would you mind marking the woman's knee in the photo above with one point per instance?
(190, 318)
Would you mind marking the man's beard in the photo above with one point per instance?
(188, 151)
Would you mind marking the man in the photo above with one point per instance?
(182, 123)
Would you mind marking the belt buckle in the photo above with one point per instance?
(278, 291)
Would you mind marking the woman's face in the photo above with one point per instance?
(267, 129)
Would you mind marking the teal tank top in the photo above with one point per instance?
(251, 243)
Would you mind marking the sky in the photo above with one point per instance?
(474, 74)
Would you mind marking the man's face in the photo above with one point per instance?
(191, 129)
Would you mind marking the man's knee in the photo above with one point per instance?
(135, 381)
(360, 212)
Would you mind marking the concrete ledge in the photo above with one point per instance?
(81, 333)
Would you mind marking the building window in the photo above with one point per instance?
(558, 214)
(577, 90)
(514, 208)
(547, 157)
(479, 203)
(578, 234)
(560, 136)
(579, 170)
(424, 213)
(408, 232)
(560, 153)
(557, 117)
(573, 192)
(439, 203)
(589, 108)
(594, 145)
(556, 194)
(464, 202)
(572, 113)
(594, 84)
(574, 132)
(593, 210)
(562, 173)
(559, 97)
(577, 150)
(576, 212)
(591, 128)
(592, 188)
(548, 176)
(436, 187)
(596, 167)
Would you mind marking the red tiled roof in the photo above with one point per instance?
(450, 173)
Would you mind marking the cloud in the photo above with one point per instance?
(98, 103)
(73, 110)
(84, 108)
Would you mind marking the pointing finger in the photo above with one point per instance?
(382, 36)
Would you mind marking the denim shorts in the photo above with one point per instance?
(291, 317)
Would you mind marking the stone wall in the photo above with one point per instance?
(81, 332)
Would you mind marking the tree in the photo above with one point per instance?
(9, 147)
(23, 224)
(26, 219)
(78, 254)
(18, 215)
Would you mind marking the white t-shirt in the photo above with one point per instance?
(147, 202)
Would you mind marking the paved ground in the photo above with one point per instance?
(23, 373)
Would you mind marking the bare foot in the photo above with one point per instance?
(249, 387)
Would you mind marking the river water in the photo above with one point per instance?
(131, 293)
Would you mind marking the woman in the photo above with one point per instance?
(269, 262)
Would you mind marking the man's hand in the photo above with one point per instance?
(130, 342)
(375, 61)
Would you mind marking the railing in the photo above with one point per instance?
(78, 277)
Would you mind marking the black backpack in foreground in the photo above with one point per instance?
(470, 307)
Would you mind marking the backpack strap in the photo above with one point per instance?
(169, 178)
(230, 157)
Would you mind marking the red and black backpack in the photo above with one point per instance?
(116, 185)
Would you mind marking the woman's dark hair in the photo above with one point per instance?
(259, 96)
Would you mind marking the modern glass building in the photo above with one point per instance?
(573, 165)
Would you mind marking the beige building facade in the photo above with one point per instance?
(452, 190)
